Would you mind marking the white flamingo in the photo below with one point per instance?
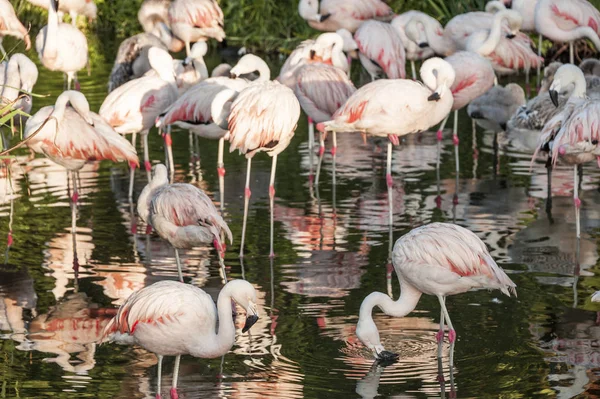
(438, 259)
(182, 214)
(133, 107)
(380, 50)
(416, 49)
(61, 47)
(87, 8)
(331, 15)
(196, 20)
(174, 319)
(11, 26)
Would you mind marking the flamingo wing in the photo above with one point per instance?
(570, 14)
(380, 43)
(203, 14)
(474, 76)
(357, 9)
(580, 133)
(162, 304)
(515, 54)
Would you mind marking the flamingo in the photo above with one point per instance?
(462, 26)
(181, 214)
(73, 135)
(331, 15)
(11, 26)
(321, 89)
(74, 8)
(377, 109)
(174, 319)
(567, 21)
(328, 48)
(192, 69)
(20, 75)
(134, 106)
(195, 20)
(573, 134)
(262, 117)
(438, 259)
(61, 47)
(380, 50)
(493, 109)
(415, 50)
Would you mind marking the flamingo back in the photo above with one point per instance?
(474, 76)
(165, 304)
(357, 9)
(297, 59)
(263, 118)
(202, 14)
(452, 248)
(379, 42)
(515, 54)
(568, 15)
(321, 90)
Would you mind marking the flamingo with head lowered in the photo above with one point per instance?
(438, 259)
(11, 26)
(196, 20)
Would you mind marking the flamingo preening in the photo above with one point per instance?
(133, 107)
(331, 15)
(380, 50)
(182, 214)
(62, 47)
(11, 26)
(196, 20)
(174, 319)
(438, 259)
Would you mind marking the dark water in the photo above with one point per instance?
(332, 250)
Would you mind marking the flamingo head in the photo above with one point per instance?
(309, 10)
(367, 332)
(568, 79)
(244, 294)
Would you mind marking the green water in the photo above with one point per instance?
(332, 250)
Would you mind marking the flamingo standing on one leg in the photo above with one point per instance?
(134, 106)
(377, 109)
(174, 319)
(438, 259)
(196, 20)
(72, 135)
(62, 47)
(263, 117)
(331, 15)
(321, 90)
(573, 134)
(567, 21)
(182, 214)
(11, 26)
(380, 50)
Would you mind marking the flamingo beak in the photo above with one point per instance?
(424, 45)
(554, 97)
(251, 317)
(510, 35)
(435, 96)
(312, 54)
(322, 18)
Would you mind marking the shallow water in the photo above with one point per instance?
(332, 250)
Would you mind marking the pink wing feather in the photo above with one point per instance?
(379, 42)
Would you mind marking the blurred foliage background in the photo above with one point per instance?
(264, 25)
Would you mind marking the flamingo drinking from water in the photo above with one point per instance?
(380, 50)
(134, 106)
(61, 47)
(438, 259)
(11, 26)
(181, 214)
(331, 15)
(262, 117)
(174, 319)
(196, 20)
(377, 109)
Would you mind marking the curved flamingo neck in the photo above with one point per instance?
(439, 43)
(409, 297)
(50, 50)
(264, 72)
(338, 58)
(158, 180)
(12, 83)
(491, 42)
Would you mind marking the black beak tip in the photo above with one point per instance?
(435, 96)
(510, 36)
(312, 54)
(554, 97)
(250, 321)
(324, 17)
(424, 45)
(232, 76)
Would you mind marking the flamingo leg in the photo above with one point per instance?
(74, 200)
(132, 168)
(527, 85)
(349, 59)
(321, 154)
(390, 183)
(439, 336)
(539, 67)
(174, 394)
(333, 177)
(451, 331)
(247, 194)
(571, 53)
(221, 173)
(334, 148)
(474, 146)
(576, 199)
(549, 188)
(160, 359)
(169, 143)
(413, 69)
(147, 165)
(187, 49)
(455, 140)
(311, 134)
(272, 200)
(179, 272)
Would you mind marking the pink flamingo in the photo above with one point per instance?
(328, 48)
(331, 15)
(153, 15)
(419, 49)
(263, 117)
(11, 26)
(321, 90)
(73, 135)
(181, 214)
(572, 135)
(134, 106)
(192, 111)
(174, 319)
(380, 50)
(377, 109)
(438, 259)
(567, 21)
(74, 8)
(61, 47)
(196, 20)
